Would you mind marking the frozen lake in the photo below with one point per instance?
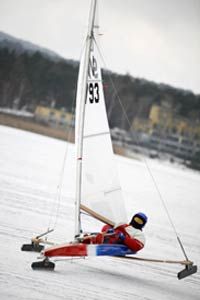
(31, 202)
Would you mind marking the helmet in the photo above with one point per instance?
(139, 220)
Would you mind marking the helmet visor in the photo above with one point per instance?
(138, 220)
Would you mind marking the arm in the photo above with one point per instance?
(105, 228)
(133, 238)
(133, 244)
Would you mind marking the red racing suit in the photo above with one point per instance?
(134, 238)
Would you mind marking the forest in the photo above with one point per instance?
(28, 79)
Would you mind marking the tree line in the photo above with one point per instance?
(28, 80)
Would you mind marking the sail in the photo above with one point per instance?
(100, 188)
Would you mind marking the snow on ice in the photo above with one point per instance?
(32, 200)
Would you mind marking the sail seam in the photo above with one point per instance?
(111, 191)
(94, 80)
(97, 134)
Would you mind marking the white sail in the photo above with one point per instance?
(99, 187)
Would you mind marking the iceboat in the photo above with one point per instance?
(98, 190)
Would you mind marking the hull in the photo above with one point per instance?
(80, 249)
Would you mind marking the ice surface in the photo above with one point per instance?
(30, 172)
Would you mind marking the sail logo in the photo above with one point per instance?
(93, 92)
(93, 86)
(93, 69)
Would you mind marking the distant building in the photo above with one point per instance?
(161, 116)
(53, 117)
(165, 131)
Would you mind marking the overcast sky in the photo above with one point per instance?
(158, 40)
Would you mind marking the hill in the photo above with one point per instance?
(31, 75)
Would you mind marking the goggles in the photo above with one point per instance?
(138, 220)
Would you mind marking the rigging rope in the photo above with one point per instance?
(144, 159)
(56, 207)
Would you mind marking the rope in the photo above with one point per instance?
(56, 207)
(145, 161)
(167, 261)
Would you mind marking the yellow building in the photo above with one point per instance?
(166, 131)
(53, 117)
(163, 119)
(142, 125)
(161, 115)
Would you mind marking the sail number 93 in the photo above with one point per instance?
(93, 90)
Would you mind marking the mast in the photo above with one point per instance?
(83, 74)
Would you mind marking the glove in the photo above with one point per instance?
(110, 230)
(121, 236)
(98, 239)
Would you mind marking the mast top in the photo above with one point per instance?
(92, 16)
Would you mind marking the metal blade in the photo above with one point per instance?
(32, 247)
(189, 270)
